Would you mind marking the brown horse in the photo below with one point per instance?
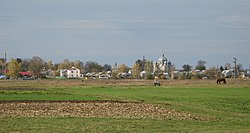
(221, 80)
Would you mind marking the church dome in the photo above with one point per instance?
(162, 58)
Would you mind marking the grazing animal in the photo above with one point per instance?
(157, 83)
(221, 80)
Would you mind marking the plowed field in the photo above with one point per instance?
(99, 109)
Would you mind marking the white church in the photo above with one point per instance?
(162, 65)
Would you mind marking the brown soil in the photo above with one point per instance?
(20, 88)
(98, 109)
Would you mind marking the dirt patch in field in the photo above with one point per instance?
(99, 109)
(22, 88)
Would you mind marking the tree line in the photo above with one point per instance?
(36, 65)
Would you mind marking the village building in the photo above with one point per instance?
(71, 73)
(63, 73)
(50, 73)
(229, 73)
(27, 74)
(162, 66)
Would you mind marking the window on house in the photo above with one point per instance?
(72, 71)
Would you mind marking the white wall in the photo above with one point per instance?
(73, 73)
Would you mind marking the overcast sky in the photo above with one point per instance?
(109, 31)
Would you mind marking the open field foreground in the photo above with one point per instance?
(124, 106)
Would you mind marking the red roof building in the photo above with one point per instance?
(25, 73)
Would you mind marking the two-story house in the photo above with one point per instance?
(73, 73)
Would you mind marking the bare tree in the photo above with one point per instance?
(36, 65)
(227, 66)
(25, 65)
(212, 73)
(50, 65)
(91, 66)
(239, 67)
(136, 71)
(149, 69)
(122, 68)
(66, 64)
(79, 64)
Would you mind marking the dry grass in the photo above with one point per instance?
(168, 83)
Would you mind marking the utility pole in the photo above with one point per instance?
(5, 64)
(143, 63)
(235, 67)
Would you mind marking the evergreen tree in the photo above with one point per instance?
(187, 67)
(221, 68)
(201, 65)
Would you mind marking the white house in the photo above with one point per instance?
(63, 72)
(74, 73)
(50, 74)
(228, 73)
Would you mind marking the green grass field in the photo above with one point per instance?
(228, 105)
